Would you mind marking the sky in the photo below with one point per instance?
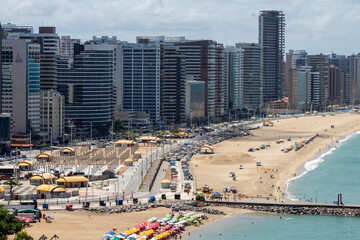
(318, 26)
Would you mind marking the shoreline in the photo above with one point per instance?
(318, 159)
(255, 182)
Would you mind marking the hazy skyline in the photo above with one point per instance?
(320, 26)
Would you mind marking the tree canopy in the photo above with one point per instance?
(9, 224)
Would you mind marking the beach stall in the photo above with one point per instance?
(52, 190)
(72, 181)
(207, 129)
(165, 184)
(43, 178)
(67, 151)
(137, 154)
(2, 192)
(44, 157)
(26, 165)
(109, 173)
(124, 142)
(128, 162)
(206, 149)
(148, 139)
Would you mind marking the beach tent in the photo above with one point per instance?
(128, 162)
(109, 235)
(72, 181)
(43, 178)
(67, 151)
(206, 149)
(44, 157)
(26, 164)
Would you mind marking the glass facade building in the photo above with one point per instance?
(140, 78)
(87, 87)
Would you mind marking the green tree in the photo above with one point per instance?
(12, 184)
(43, 146)
(22, 236)
(9, 224)
(118, 126)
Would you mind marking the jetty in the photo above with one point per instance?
(297, 208)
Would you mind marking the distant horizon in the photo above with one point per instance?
(320, 26)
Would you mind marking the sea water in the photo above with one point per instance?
(335, 171)
(279, 227)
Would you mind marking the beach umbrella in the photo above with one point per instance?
(115, 238)
(109, 235)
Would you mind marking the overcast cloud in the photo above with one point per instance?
(318, 26)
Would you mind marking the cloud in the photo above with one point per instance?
(317, 26)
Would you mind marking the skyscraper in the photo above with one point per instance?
(20, 84)
(87, 86)
(233, 71)
(319, 63)
(140, 78)
(272, 40)
(172, 85)
(204, 62)
(343, 63)
(252, 75)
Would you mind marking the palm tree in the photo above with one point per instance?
(12, 184)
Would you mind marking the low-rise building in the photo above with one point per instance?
(44, 178)
(72, 182)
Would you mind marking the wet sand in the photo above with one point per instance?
(277, 167)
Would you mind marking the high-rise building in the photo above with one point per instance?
(140, 78)
(343, 63)
(272, 40)
(294, 59)
(313, 96)
(334, 85)
(52, 107)
(87, 86)
(195, 101)
(49, 49)
(252, 75)
(298, 87)
(319, 63)
(233, 68)
(204, 62)
(354, 70)
(172, 86)
(66, 48)
(298, 58)
(220, 83)
(20, 84)
(304, 88)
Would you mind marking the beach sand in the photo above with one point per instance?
(213, 169)
(86, 225)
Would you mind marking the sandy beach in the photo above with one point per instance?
(86, 225)
(213, 169)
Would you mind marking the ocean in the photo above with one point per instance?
(322, 179)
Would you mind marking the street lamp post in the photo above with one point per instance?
(91, 131)
(30, 145)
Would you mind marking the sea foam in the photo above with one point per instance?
(311, 165)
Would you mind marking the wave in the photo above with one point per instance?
(312, 165)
